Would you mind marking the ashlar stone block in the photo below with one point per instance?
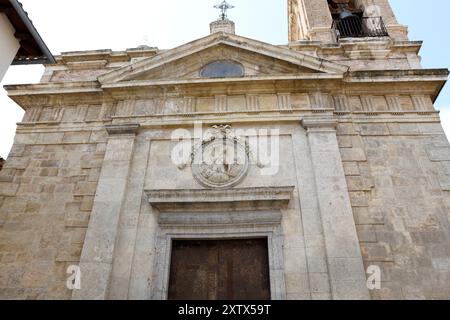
(439, 153)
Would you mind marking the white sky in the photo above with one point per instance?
(75, 25)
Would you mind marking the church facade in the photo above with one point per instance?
(229, 168)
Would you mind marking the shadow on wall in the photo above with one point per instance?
(2, 161)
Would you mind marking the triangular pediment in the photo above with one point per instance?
(255, 57)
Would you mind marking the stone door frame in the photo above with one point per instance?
(162, 260)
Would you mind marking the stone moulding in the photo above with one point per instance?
(195, 219)
(313, 123)
(122, 129)
(239, 199)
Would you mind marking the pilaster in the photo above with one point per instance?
(98, 250)
(344, 259)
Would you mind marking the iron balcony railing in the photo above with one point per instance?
(357, 27)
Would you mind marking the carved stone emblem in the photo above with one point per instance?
(221, 161)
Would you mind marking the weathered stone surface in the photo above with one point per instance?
(353, 154)
(368, 216)
(359, 199)
(403, 129)
(76, 137)
(439, 153)
(351, 169)
(366, 233)
(91, 178)
(444, 181)
(374, 129)
(8, 189)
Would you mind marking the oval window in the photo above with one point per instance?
(222, 69)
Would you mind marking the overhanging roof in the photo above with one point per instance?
(32, 49)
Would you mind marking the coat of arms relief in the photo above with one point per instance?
(221, 159)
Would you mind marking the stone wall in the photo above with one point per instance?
(46, 193)
(2, 162)
(399, 184)
(395, 157)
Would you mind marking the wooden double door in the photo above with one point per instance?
(219, 270)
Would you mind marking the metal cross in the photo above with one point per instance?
(224, 6)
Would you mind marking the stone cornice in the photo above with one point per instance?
(425, 81)
(415, 75)
(118, 129)
(258, 198)
(204, 81)
(56, 94)
(51, 88)
(336, 48)
(108, 55)
(318, 123)
(56, 88)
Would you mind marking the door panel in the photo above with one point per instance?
(219, 270)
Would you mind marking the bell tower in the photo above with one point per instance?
(329, 21)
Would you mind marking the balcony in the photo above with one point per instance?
(357, 27)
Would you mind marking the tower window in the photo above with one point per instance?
(350, 21)
(222, 69)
